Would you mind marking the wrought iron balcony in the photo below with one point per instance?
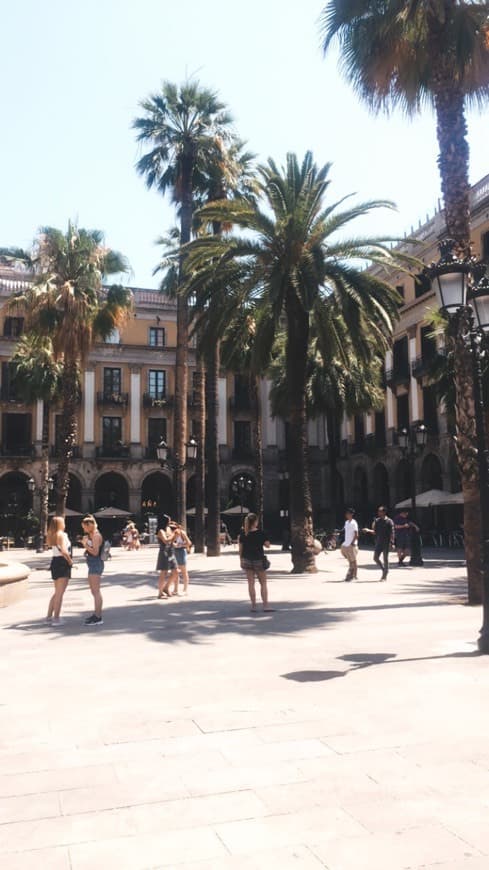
(9, 394)
(157, 400)
(395, 376)
(18, 450)
(113, 399)
(112, 451)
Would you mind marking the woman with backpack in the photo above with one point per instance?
(93, 542)
(253, 560)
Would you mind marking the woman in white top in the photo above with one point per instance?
(61, 564)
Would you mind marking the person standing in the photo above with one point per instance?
(383, 531)
(61, 564)
(252, 558)
(167, 563)
(93, 542)
(404, 528)
(349, 547)
(181, 546)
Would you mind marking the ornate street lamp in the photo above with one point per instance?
(162, 452)
(242, 484)
(462, 292)
(412, 443)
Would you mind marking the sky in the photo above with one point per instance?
(72, 74)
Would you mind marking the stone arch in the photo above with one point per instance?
(431, 473)
(157, 488)
(74, 499)
(111, 490)
(403, 480)
(14, 493)
(381, 487)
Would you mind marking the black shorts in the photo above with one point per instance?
(60, 568)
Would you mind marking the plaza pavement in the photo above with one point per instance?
(348, 730)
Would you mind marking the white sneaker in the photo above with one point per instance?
(56, 620)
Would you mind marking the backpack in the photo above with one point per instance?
(105, 551)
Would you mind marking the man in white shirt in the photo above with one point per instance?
(349, 548)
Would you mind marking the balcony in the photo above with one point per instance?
(157, 400)
(358, 445)
(9, 394)
(112, 451)
(395, 377)
(422, 365)
(55, 452)
(113, 400)
(240, 403)
(19, 450)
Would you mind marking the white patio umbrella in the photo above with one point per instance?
(433, 498)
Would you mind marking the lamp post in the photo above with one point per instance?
(412, 443)
(241, 485)
(166, 461)
(43, 492)
(462, 291)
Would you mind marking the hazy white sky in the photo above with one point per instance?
(72, 73)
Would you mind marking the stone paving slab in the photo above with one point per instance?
(347, 730)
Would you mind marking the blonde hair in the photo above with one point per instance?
(250, 520)
(88, 518)
(56, 524)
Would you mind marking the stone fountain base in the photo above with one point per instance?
(14, 578)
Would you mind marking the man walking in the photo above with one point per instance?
(349, 548)
(383, 530)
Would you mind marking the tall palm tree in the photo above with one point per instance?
(291, 262)
(180, 125)
(408, 53)
(38, 377)
(68, 305)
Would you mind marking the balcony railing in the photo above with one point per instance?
(112, 451)
(17, 450)
(9, 394)
(55, 452)
(113, 398)
(422, 365)
(397, 376)
(240, 403)
(157, 400)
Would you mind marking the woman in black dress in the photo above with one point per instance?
(167, 563)
(251, 543)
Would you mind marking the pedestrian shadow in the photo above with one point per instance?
(360, 661)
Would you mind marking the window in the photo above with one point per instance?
(157, 384)
(9, 390)
(241, 393)
(13, 327)
(400, 289)
(16, 434)
(380, 429)
(401, 359)
(403, 412)
(485, 246)
(422, 284)
(156, 431)
(111, 432)
(359, 430)
(430, 409)
(242, 438)
(156, 336)
(112, 382)
(428, 344)
(113, 338)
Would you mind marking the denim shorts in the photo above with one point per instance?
(181, 555)
(95, 565)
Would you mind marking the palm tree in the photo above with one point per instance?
(38, 377)
(67, 304)
(290, 262)
(409, 53)
(181, 126)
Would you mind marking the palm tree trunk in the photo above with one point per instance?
(212, 451)
(44, 495)
(199, 435)
(333, 463)
(69, 396)
(297, 458)
(257, 443)
(453, 163)
(181, 357)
